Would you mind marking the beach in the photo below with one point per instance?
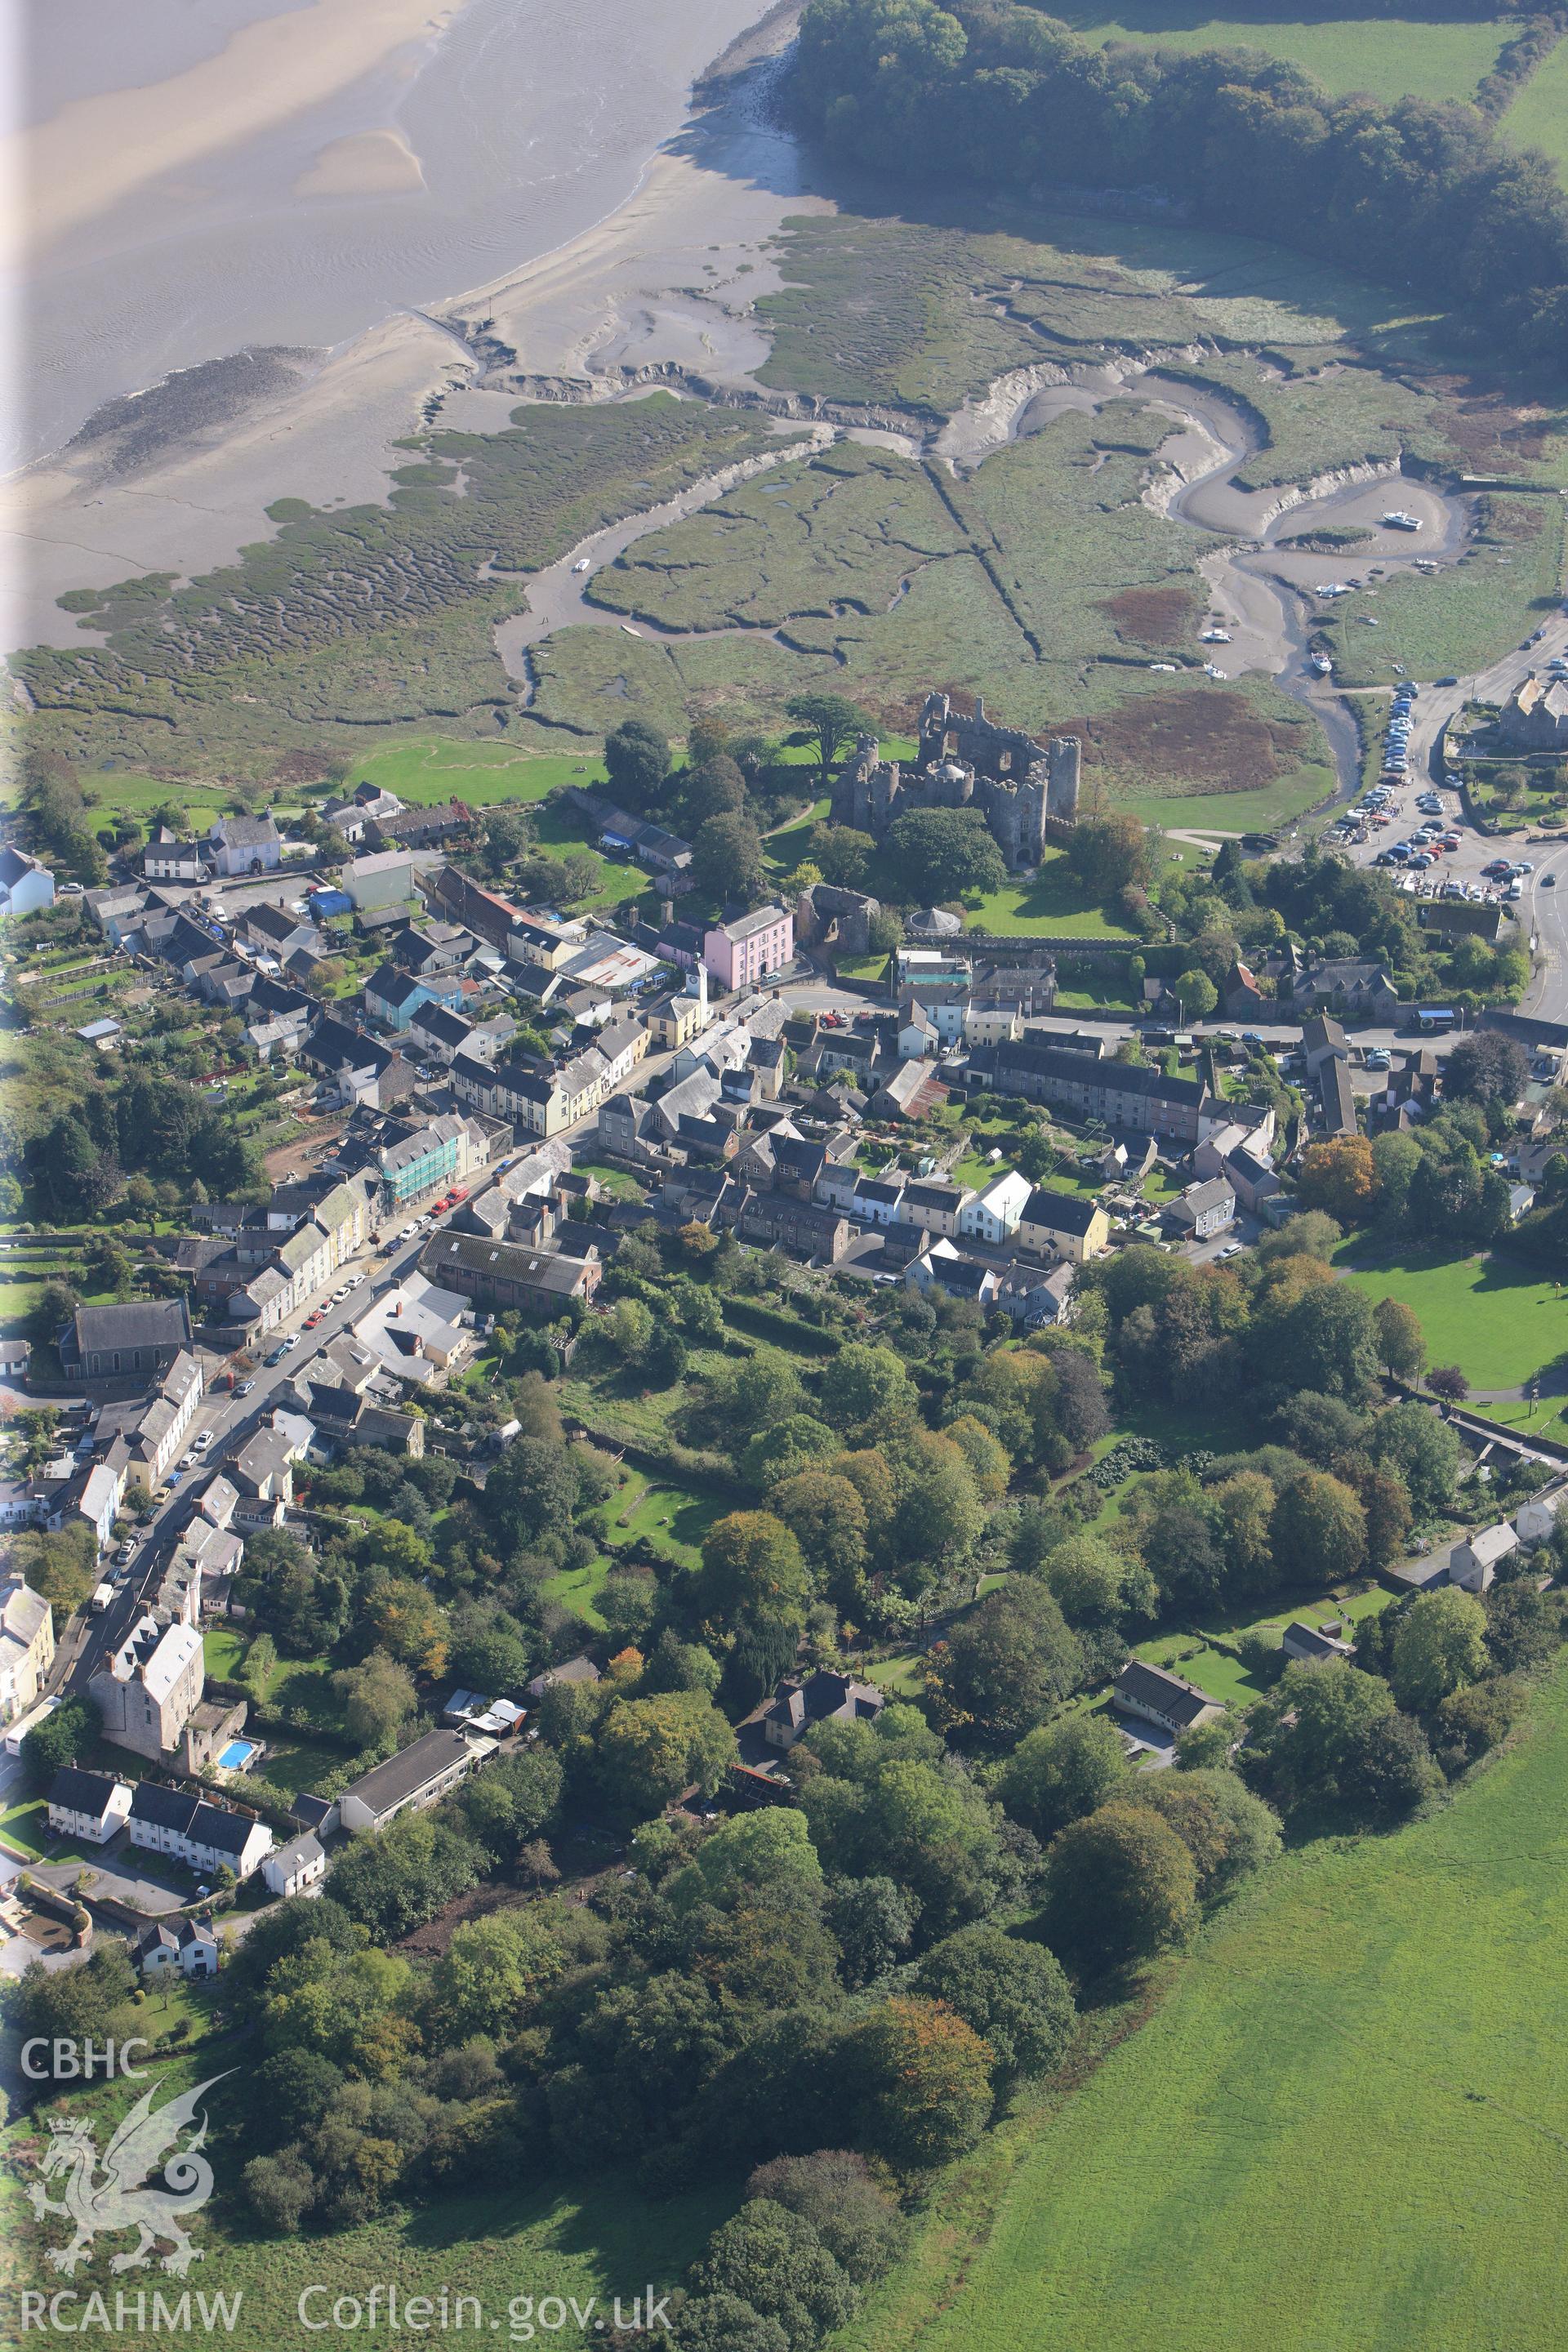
(668, 273)
(295, 172)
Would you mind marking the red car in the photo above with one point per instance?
(312, 1320)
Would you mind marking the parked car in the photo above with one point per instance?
(243, 1388)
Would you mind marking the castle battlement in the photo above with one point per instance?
(1023, 793)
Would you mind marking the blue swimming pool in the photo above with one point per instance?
(237, 1755)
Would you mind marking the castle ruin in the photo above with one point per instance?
(1027, 796)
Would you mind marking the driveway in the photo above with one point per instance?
(117, 1880)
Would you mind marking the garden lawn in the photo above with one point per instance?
(611, 1408)
(1315, 1610)
(1389, 2013)
(577, 1589)
(222, 1650)
(616, 1181)
(901, 1676)
(564, 828)
(672, 1521)
(1051, 902)
(306, 1683)
(25, 1827)
(1495, 1319)
(297, 1763)
(1214, 1670)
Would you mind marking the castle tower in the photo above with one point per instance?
(1063, 759)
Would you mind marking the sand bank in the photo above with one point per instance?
(365, 163)
(95, 151)
(669, 275)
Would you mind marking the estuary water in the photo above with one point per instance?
(456, 140)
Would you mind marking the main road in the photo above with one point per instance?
(230, 1420)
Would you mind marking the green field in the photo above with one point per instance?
(1276, 803)
(424, 769)
(1539, 115)
(1499, 1322)
(1339, 2134)
(1389, 56)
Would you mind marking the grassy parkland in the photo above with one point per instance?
(1337, 2130)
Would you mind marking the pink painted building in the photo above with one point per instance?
(739, 954)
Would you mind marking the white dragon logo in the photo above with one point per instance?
(121, 2200)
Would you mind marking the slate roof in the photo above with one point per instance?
(82, 1792)
(1063, 1213)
